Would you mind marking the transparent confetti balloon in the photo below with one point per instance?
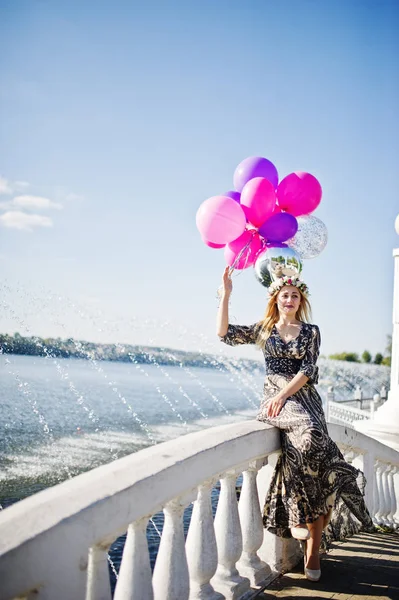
(311, 237)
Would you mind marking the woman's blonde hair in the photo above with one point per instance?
(304, 314)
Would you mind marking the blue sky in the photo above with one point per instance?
(124, 116)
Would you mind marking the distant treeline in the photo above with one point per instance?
(70, 348)
(379, 359)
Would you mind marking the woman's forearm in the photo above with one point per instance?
(222, 321)
(294, 386)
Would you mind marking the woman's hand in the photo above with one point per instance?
(275, 405)
(227, 284)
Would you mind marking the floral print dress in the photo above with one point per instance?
(311, 476)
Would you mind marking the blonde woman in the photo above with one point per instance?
(312, 487)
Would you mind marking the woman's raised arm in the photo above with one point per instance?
(222, 322)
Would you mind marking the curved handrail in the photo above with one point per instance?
(92, 509)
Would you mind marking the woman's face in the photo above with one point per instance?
(288, 300)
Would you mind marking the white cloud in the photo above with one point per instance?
(35, 202)
(5, 187)
(15, 219)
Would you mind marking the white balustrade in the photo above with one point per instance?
(201, 547)
(229, 540)
(135, 578)
(221, 558)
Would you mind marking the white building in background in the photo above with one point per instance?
(385, 424)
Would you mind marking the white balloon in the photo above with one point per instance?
(311, 237)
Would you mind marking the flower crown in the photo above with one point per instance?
(282, 281)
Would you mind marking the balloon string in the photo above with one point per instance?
(239, 256)
(242, 252)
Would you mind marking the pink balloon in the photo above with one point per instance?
(299, 193)
(220, 220)
(258, 200)
(212, 245)
(233, 249)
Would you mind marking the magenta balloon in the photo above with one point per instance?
(233, 194)
(249, 255)
(212, 245)
(258, 200)
(220, 220)
(299, 193)
(279, 228)
(255, 166)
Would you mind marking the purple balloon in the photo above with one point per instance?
(234, 195)
(279, 228)
(255, 166)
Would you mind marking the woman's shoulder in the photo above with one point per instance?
(311, 327)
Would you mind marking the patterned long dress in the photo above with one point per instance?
(311, 476)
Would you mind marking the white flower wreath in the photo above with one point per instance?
(294, 281)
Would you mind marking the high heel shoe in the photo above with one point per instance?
(310, 574)
(300, 533)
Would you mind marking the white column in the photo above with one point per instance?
(201, 548)
(229, 541)
(385, 424)
(135, 577)
(380, 468)
(391, 492)
(170, 579)
(387, 499)
(395, 481)
(98, 583)
(250, 564)
(371, 484)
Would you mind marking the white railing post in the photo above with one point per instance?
(391, 493)
(380, 468)
(98, 583)
(229, 541)
(201, 548)
(395, 486)
(134, 581)
(170, 580)
(387, 495)
(370, 492)
(250, 564)
(329, 398)
(358, 395)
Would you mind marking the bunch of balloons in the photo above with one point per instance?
(262, 213)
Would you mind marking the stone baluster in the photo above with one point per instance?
(380, 493)
(98, 583)
(386, 493)
(135, 578)
(170, 579)
(368, 468)
(395, 487)
(391, 492)
(250, 564)
(376, 497)
(201, 547)
(229, 541)
(329, 398)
